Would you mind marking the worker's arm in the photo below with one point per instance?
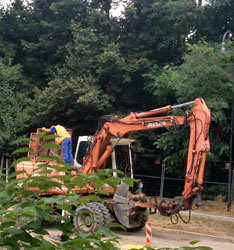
(47, 130)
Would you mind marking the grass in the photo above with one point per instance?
(200, 224)
(197, 224)
(220, 208)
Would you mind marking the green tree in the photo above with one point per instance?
(14, 116)
(207, 74)
(98, 78)
(84, 63)
(74, 91)
(215, 20)
(38, 32)
(158, 28)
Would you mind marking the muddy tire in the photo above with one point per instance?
(143, 219)
(91, 216)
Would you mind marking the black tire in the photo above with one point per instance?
(90, 216)
(143, 219)
(105, 213)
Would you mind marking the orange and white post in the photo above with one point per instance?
(148, 231)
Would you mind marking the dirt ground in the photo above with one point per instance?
(213, 226)
(164, 238)
(198, 224)
(220, 208)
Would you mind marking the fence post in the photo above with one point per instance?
(2, 160)
(162, 179)
(7, 169)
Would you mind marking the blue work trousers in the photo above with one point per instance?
(67, 151)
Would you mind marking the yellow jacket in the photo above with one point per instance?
(62, 134)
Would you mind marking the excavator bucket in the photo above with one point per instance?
(121, 207)
(124, 206)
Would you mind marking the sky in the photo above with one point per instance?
(116, 12)
(5, 2)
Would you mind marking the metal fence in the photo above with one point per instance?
(152, 185)
(5, 168)
(170, 187)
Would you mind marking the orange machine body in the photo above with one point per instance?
(198, 119)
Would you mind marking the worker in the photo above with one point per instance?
(63, 138)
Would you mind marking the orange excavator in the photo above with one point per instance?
(130, 208)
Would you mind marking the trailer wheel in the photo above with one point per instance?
(143, 219)
(89, 217)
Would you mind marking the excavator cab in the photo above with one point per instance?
(120, 159)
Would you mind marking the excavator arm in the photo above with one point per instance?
(198, 119)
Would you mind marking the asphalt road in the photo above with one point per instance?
(162, 237)
(167, 238)
(173, 238)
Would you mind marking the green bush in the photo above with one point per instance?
(210, 192)
(23, 213)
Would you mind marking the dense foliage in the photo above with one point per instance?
(70, 62)
(27, 217)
